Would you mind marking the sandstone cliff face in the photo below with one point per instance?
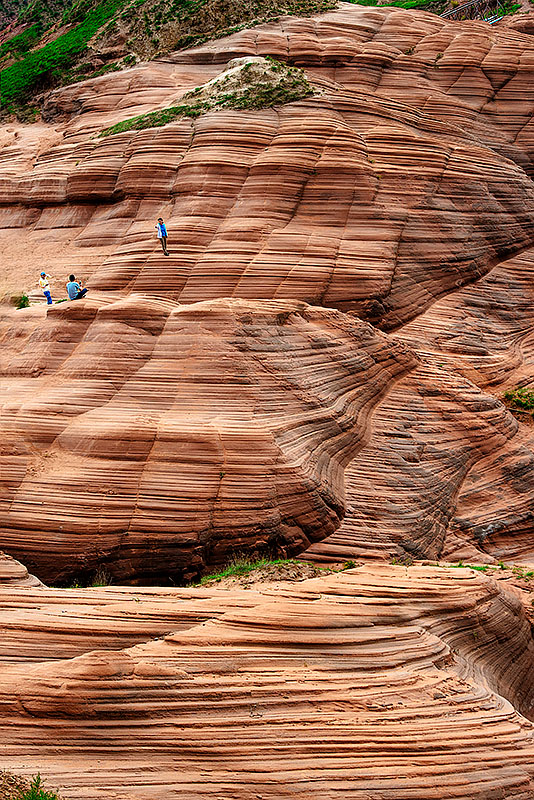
(374, 682)
(448, 470)
(400, 192)
(423, 159)
(158, 438)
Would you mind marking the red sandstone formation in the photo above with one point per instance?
(12, 573)
(405, 177)
(448, 471)
(378, 682)
(400, 192)
(158, 438)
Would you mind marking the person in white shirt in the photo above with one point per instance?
(44, 283)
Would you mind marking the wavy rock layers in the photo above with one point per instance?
(485, 333)
(397, 193)
(402, 179)
(158, 439)
(368, 683)
(12, 573)
(46, 624)
(448, 469)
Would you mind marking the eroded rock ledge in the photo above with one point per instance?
(155, 439)
(376, 682)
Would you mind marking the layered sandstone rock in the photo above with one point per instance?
(401, 192)
(406, 176)
(448, 470)
(374, 682)
(13, 573)
(156, 439)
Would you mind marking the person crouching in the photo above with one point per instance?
(74, 289)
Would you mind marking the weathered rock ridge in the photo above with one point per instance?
(377, 682)
(158, 438)
(195, 405)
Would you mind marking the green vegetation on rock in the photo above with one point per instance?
(22, 301)
(21, 43)
(276, 568)
(14, 787)
(520, 398)
(253, 87)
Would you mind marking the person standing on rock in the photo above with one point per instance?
(44, 283)
(162, 235)
(74, 289)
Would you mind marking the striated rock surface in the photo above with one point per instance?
(405, 176)
(156, 439)
(13, 573)
(448, 471)
(377, 682)
(400, 192)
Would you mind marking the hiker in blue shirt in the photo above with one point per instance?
(162, 235)
(74, 290)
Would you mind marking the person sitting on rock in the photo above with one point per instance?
(74, 289)
(45, 286)
(162, 235)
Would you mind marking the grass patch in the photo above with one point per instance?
(20, 44)
(278, 85)
(241, 565)
(521, 398)
(476, 567)
(519, 572)
(156, 119)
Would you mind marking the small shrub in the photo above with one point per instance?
(521, 398)
(23, 301)
(101, 578)
(36, 791)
